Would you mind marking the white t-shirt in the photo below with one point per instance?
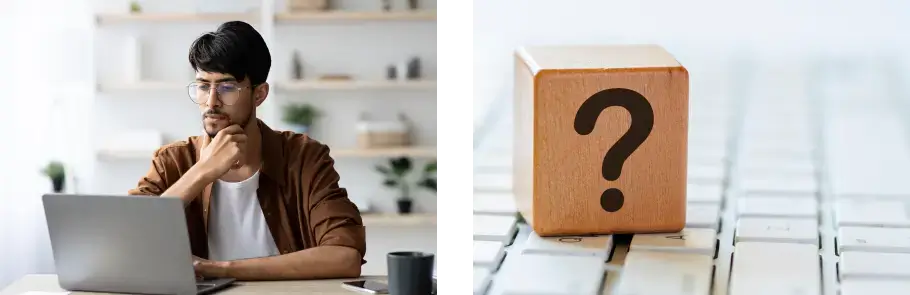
(237, 228)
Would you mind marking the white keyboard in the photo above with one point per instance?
(799, 186)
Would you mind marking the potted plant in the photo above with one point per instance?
(395, 177)
(54, 171)
(135, 7)
(300, 116)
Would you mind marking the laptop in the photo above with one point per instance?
(123, 244)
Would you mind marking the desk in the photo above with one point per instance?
(48, 283)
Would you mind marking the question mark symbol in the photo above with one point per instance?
(642, 123)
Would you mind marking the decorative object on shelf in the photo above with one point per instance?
(391, 72)
(413, 4)
(395, 174)
(54, 170)
(383, 134)
(428, 179)
(133, 61)
(402, 71)
(135, 7)
(221, 6)
(298, 66)
(307, 5)
(414, 68)
(300, 116)
(386, 5)
(335, 77)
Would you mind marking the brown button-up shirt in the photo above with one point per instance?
(298, 191)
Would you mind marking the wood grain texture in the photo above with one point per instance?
(48, 283)
(561, 180)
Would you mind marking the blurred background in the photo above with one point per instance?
(93, 87)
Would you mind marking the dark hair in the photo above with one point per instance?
(235, 48)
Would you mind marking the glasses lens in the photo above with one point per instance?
(229, 93)
(198, 92)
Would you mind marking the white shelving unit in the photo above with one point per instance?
(357, 85)
(274, 24)
(114, 19)
(352, 85)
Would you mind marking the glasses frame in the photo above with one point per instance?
(218, 94)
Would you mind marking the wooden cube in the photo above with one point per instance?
(600, 139)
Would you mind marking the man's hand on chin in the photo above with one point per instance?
(209, 269)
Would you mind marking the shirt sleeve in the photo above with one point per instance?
(335, 220)
(154, 182)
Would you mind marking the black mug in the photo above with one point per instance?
(410, 273)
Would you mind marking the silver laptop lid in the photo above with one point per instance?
(125, 244)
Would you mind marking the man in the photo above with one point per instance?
(260, 204)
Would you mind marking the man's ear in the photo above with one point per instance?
(260, 93)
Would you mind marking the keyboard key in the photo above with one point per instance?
(706, 173)
(775, 268)
(770, 183)
(492, 182)
(599, 246)
(488, 254)
(777, 230)
(552, 274)
(874, 265)
(705, 215)
(481, 280)
(666, 273)
(873, 287)
(494, 228)
(873, 239)
(494, 203)
(703, 193)
(778, 207)
(791, 195)
(689, 240)
(493, 162)
(872, 213)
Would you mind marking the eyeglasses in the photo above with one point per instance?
(228, 92)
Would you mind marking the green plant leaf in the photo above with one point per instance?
(391, 182)
(401, 165)
(300, 114)
(383, 169)
(428, 183)
(430, 168)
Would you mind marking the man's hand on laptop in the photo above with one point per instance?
(209, 269)
(224, 152)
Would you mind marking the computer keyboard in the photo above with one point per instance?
(796, 185)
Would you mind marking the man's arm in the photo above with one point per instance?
(217, 156)
(322, 262)
(186, 187)
(332, 218)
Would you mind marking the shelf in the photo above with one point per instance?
(418, 15)
(143, 86)
(108, 19)
(379, 219)
(107, 155)
(358, 85)
(418, 152)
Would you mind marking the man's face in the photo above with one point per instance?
(223, 101)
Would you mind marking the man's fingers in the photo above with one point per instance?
(239, 137)
(233, 129)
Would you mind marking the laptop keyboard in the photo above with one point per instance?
(796, 187)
